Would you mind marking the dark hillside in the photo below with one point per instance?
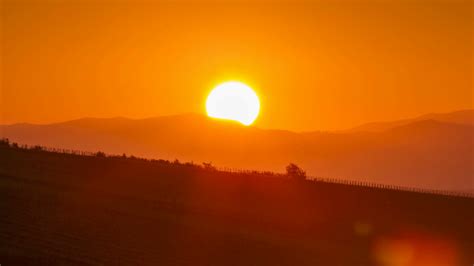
(70, 209)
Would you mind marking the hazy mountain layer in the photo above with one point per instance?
(434, 153)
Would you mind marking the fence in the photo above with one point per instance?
(314, 179)
(357, 183)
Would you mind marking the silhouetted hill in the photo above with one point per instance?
(425, 153)
(74, 210)
(459, 117)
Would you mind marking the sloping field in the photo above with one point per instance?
(69, 209)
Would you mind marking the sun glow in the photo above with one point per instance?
(233, 101)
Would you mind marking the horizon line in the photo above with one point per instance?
(202, 114)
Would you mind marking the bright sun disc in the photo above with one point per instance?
(233, 101)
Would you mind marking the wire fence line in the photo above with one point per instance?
(359, 183)
(209, 166)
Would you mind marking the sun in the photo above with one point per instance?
(233, 101)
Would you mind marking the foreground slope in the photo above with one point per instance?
(70, 209)
(432, 154)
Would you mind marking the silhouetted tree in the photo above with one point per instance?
(100, 154)
(294, 171)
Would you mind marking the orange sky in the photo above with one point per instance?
(315, 65)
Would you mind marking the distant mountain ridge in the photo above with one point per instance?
(435, 152)
(457, 117)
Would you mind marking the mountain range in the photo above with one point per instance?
(433, 151)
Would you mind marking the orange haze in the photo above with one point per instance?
(315, 64)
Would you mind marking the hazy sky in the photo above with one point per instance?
(315, 65)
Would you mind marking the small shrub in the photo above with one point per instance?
(5, 142)
(35, 148)
(209, 166)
